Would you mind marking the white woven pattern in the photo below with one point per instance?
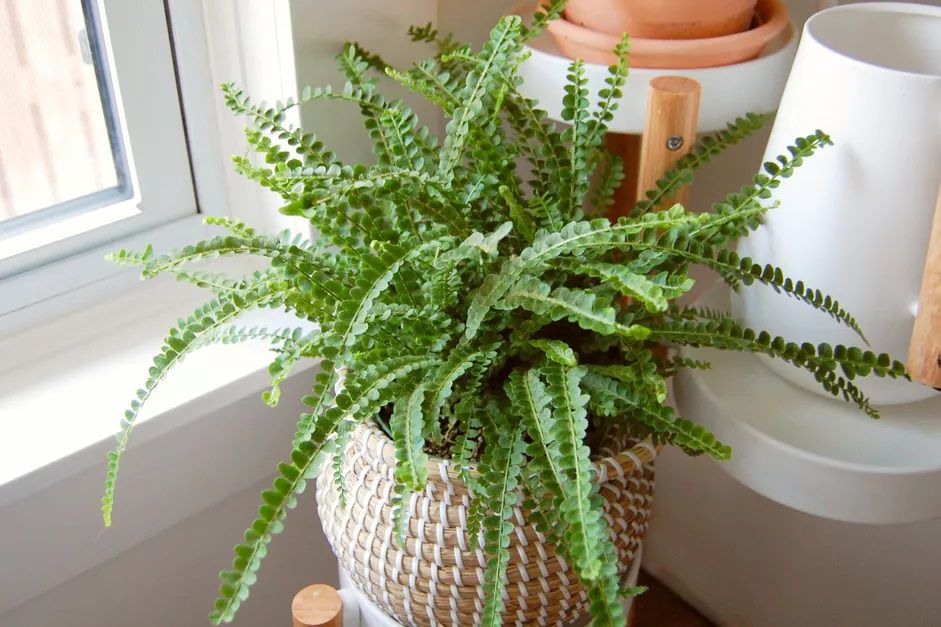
(436, 578)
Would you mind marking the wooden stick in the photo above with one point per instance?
(924, 353)
(317, 606)
(627, 147)
(670, 131)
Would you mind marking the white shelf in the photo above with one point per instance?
(814, 454)
(727, 91)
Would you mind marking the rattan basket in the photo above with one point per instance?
(435, 578)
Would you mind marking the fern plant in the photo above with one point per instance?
(488, 309)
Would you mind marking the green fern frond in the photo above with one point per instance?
(556, 351)
(531, 405)
(440, 383)
(549, 211)
(343, 434)
(375, 276)
(641, 375)
(735, 216)
(620, 277)
(585, 527)
(497, 52)
(372, 60)
(500, 469)
(360, 398)
(284, 254)
(577, 136)
(725, 334)
(610, 95)
(622, 399)
(411, 467)
(581, 307)
(206, 320)
(466, 442)
(548, 11)
(604, 594)
(745, 270)
(670, 367)
(292, 350)
(543, 146)
(217, 282)
(475, 245)
(236, 227)
(425, 79)
(574, 238)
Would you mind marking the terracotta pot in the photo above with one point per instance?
(577, 42)
(663, 19)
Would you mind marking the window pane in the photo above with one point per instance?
(60, 149)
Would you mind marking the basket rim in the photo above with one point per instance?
(606, 469)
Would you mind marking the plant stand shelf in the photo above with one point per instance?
(814, 454)
(727, 92)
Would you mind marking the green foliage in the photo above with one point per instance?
(557, 351)
(500, 468)
(406, 423)
(694, 327)
(465, 303)
(586, 535)
(199, 328)
(629, 283)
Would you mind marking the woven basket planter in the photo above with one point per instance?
(435, 578)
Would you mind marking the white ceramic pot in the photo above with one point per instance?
(854, 221)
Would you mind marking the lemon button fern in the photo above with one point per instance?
(477, 306)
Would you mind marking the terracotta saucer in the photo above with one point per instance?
(577, 42)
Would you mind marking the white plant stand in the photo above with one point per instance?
(814, 454)
(727, 92)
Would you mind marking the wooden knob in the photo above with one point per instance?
(670, 131)
(317, 606)
(924, 353)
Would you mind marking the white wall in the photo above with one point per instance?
(187, 496)
(321, 29)
(170, 580)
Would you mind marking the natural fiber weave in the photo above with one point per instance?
(435, 578)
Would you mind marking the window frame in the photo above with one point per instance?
(177, 165)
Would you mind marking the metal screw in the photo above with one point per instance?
(674, 142)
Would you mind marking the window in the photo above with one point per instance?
(92, 139)
(65, 152)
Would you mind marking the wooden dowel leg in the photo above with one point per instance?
(317, 606)
(924, 354)
(627, 147)
(670, 131)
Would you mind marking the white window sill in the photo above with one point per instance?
(203, 437)
(59, 411)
